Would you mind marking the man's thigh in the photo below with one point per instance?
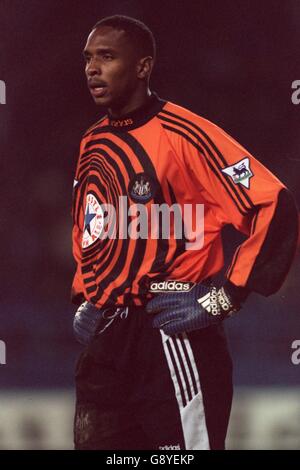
(165, 392)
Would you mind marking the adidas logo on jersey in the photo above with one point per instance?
(171, 286)
(170, 447)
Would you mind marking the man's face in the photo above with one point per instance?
(111, 67)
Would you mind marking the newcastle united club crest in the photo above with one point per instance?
(141, 188)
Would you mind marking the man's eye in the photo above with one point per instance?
(107, 56)
(87, 58)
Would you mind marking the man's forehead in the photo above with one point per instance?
(107, 36)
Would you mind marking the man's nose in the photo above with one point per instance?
(93, 68)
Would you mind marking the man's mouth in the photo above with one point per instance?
(97, 90)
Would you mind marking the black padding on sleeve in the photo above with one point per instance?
(237, 294)
(277, 252)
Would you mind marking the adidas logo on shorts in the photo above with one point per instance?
(171, 286)
(170, 447)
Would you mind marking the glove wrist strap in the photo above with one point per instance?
(220, 303)
(226, 303)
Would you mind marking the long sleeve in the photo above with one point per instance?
(77, 290)
(245, 194)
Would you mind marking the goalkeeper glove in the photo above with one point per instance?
(201, 307)
(90, 321)
(85, 322)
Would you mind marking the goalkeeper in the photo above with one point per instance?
(155, 372)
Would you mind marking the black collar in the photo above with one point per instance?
(138, 117)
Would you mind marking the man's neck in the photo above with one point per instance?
(137, 102)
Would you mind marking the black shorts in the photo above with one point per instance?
(137, 388)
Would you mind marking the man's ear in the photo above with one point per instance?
(144, 67)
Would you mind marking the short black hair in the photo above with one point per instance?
(138, 33)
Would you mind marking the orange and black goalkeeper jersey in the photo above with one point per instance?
(167, 156)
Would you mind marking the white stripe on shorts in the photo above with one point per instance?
(192, 411)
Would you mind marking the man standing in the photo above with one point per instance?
(156, 371)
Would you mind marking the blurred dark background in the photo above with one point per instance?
(231, 61)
